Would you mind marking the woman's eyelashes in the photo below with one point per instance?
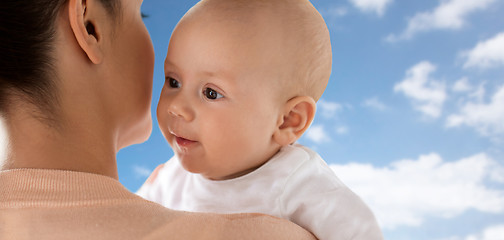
(211, 94)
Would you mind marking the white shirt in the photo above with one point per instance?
(296, 184)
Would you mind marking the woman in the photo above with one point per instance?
(75, 87)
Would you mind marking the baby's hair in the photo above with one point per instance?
(315, 60)
(306, 39)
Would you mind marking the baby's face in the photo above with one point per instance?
(219, 106)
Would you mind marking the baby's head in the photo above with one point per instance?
(242, 79)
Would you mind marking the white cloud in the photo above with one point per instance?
(427, 94)
(408, 191)
(374, 103)
(479, 93)
(486, 54)
(372, 6)
(335, 12)
(450, 238)
(490, 233)
(462, 85)
(141, 172)
(342, 130)
(328, 109)
(487, 118)
(449, 15)
(317, 134)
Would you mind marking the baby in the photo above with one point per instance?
(242, 81)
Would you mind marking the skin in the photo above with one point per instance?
(227, 105)
(186, 112)
(104, 83)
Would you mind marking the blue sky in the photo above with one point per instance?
(412, 119)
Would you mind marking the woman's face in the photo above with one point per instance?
(132, 57)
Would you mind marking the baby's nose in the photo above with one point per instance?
(180, 107)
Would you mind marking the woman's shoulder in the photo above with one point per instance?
(209, 226)
(71, 204)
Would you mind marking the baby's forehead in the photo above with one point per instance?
(260, 26)
(238, 32)
(288, 34)
(250, 14)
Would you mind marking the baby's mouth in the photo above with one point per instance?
(183, 142)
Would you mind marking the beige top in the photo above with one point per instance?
(56, 204)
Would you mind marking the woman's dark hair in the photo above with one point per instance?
(27, 33)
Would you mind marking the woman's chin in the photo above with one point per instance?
(146, 133)
(136, 134)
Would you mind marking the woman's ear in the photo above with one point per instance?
(297, 116)
(85, 28)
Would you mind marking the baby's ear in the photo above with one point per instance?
(296, 117)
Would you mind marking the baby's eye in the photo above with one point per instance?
(211, 94)
(173, 83)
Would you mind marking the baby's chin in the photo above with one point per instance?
(188, 166)
(198, 165)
